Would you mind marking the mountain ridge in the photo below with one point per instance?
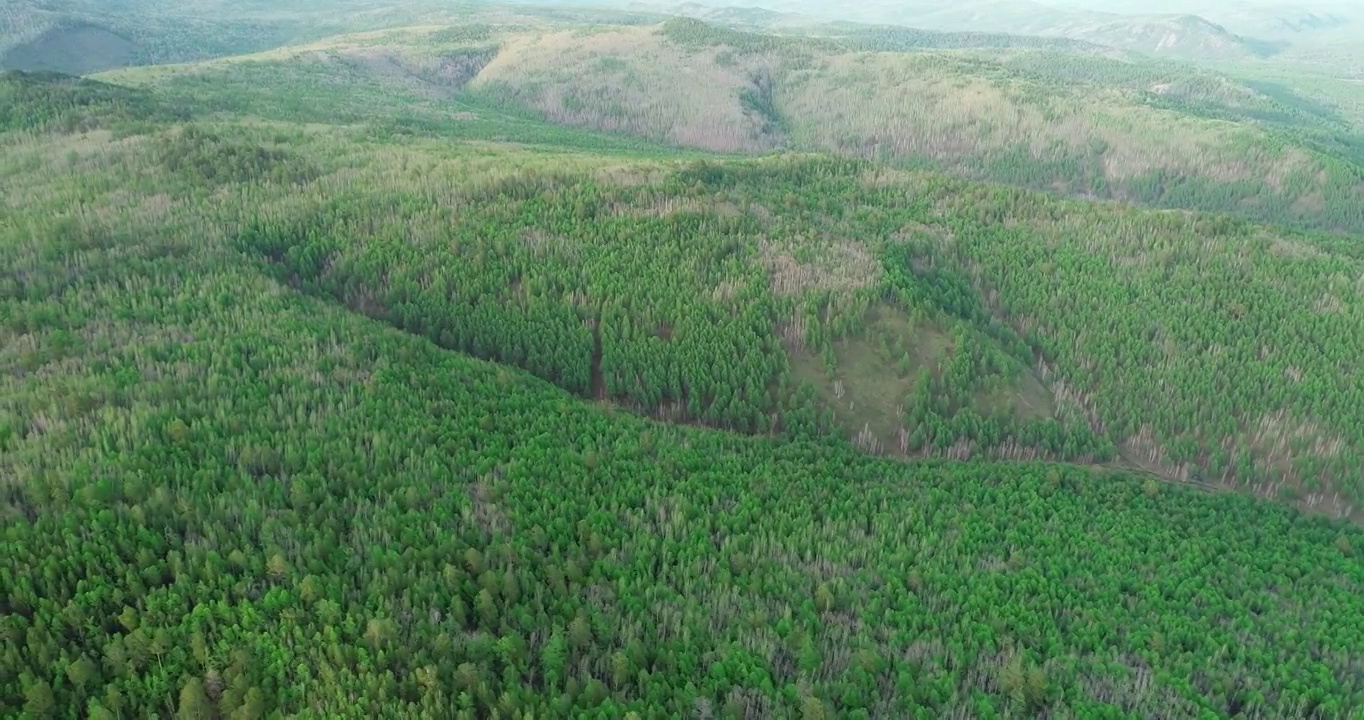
(1174, 34)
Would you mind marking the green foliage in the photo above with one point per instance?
(251, 469)
(694, 558)
(690, 32)
(459, 34)
(900, 39)
(760, 99)
(207, 159)
(705, 295)
(51, 102)
(548, 280)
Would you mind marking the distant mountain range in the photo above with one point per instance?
(1226, 31)
(82, 36)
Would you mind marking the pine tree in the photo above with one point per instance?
(194, 703)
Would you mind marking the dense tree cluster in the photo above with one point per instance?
(248, 465)
(690, 296)
(668, 308)
(207, 159)
(228, 499)
(1243, 330)
(613, 306)
(52, 102)
(669, 312)
(694, 33)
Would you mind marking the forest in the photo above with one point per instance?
(406, 403)
(731, 295)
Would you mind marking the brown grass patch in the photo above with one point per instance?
(1291, 248)
(1329, 304)
(629, 80)
(630, 175)
(661, 207)
(1275, 434)
(844, 266)
(485, 510)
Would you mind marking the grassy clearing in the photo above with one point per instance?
(1027, 399)
(867, 386)
(877, 368)
(631, 80)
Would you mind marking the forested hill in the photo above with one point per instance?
(405, 402)
(1070, 119)
(230, 494)
(907, 312)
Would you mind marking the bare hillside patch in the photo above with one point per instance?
(897, 105)
(440, 75)
(629, 80)
(891, 104)
(840, 266)
(867, 392)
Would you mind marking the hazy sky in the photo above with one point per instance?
(851, 7)
(1197, 6)
(1255, 18)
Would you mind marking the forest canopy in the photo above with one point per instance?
(410, 401)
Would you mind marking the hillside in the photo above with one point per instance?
(1064, 120)
(85, 36)
(80, 37)
(567, 362)
(1051, 397)
(247, 452)
(1180, 36)
(908, 313)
